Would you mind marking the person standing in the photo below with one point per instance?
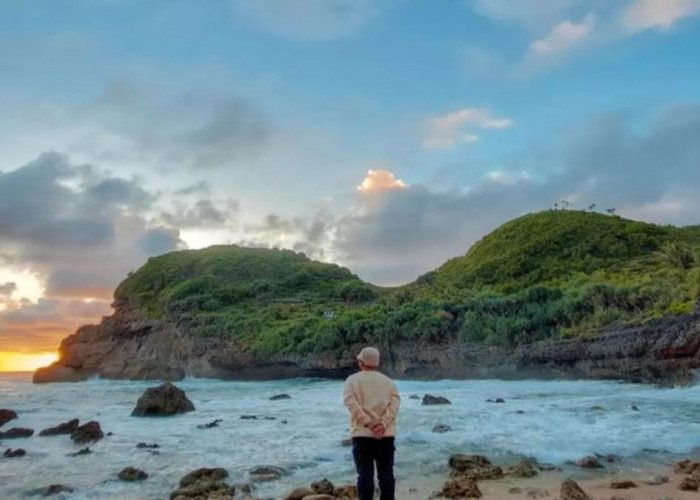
(373, 402)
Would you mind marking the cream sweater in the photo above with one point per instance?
(371, 397)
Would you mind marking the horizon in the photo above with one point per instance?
(381, 135)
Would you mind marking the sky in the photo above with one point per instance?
(384, 135)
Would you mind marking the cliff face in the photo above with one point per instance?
(128, 345)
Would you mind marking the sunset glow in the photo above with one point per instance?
(25, 362)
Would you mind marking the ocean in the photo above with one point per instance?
(551, 421)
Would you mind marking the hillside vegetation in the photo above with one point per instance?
(546, 274)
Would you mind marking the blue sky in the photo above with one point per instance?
(385, 135)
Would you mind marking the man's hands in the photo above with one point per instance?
(377, 429)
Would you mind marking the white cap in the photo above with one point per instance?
(369, 356)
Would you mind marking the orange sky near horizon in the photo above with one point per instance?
(25, 362)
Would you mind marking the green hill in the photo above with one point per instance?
(545, 274)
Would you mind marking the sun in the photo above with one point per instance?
(25, 362)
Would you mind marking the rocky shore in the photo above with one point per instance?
(130, 345)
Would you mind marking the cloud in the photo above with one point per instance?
(533, 14)
(645, 14)
(309, 20)
(199, 188)
(203, 214)
(445, 131)
(563, 37)
(380, 180)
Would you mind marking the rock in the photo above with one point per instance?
(204, 490)
(536, 493)
(429, 399)
(634, 408)
(277, 397)
(348, 491)
(520, 412)
(323, 487)
(132, 474)
(9, 453)
(320, 497)
(414, 396)
(622, 484)
(84, 451)
(55, 489)
(460, 488)
(346, 443)
(441, 429)
(213, 423)
(64, 428)
(515, 491)
(589, 463)
(17, 432)
(527, 467)
(474, 467)
(249, 417)
(147, 446)
(688, 484)
(203, 474)
(88, 433)
(162, 401)
(655, 480)
(570, 490)
(596, 408)
(265, 473)
(687, 467)
(298, 494)
(6, 415)
(497, 400)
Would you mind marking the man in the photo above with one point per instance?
(373, 402)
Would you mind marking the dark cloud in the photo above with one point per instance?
(203, 214)
(308, 235)
(6, 289)
(199, 188)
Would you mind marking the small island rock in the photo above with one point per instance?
(87, 433)
(17, 432)
(570, 490)
(132, 474)
(429, 399)
(162, 401)
(6, 415)
(64, 428)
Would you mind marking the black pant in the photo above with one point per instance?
(366, 452)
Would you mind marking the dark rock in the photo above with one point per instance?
(323, 487)
(249, 417)
(497, 400)
(277, 397)
(64, 428)
(17, 432)
(109, 434)
(414, 396)
(622, 484)
(319, 497)
(203, 474)
(132, 474)
(441, 428)
(349, 491)
(298, 494)
(265, 473)
(688, 484)
(213, 423)
(9, 453)
(474, 467)
(459, 489)
(570, 490)
(610, 458)
(162, 401)
(87, 433)
(596, 408)
(55, 489)
(84, 451)
(147, 446)
(6, 415)
(687, 467)
(527, 467)
(520, 412)
(589, 463)
(634, 408)
(429, 399)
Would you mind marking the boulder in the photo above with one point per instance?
(414, 396)
(688, 484)
(17, 432)
(497, 400)
(570, 490)
(64, 428)
(147, 446)
(323, 487)
(460, 488)
(265, 473)
(655, 480)
(527, 467)
(55, 489)
(589, 463)
(162, 401)
(687, 467)
(596, 408)
(277, 397)
(84, 451)
(298, 494)
(87, 433)
(348, 491)
(213, 423)
(429, 399)
(441, 428)
(9, 453)
(132, 474)
(203, 474)
(622, 484)
(204, 484)
(6, 415)
(473, 467)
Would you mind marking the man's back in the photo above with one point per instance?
(371, 397)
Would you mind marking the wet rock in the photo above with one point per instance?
(320, 497)
(348, 491)
(414, 396)
(64, 428)
(55, 489)
(570, 490)
(88, 433)
(204, 490)
(596, 408)
(687, 467)
(634, 408)
(17, 432)
(429, 399)
(474, 467)
(162, 401)
(520, 412)
(460, 488)
(147, 446)
(346, 443)
(6, 415)
(688, 484)
(203, 474)
(132, 474)
(323, 487)
(213, 423)
(610, 458)
(278, 397)
(589, 463)
(441, 429)
(9, 453)
(622, 484)
(497, 400)
(655, 480)
(527, 467)
(298, 494)
(249, 417)
(265, 473)
(84, 451)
